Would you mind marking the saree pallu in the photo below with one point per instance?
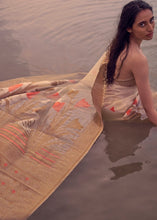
(46, 127)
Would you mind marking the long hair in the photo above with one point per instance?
(122, 37)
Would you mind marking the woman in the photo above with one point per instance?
(127, 90)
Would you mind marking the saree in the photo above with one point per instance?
(47, 125)
(122, 100)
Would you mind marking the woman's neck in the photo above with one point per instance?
(135, 42)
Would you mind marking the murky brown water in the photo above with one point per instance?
(117, 179)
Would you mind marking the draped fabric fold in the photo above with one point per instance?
(46, 127)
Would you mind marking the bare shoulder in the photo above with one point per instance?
(137, 62)
(136, 57)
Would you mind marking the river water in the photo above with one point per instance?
(117, 179)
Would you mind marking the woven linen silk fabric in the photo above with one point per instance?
(46, 128)
(122, 101)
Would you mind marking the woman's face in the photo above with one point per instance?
(143, 26)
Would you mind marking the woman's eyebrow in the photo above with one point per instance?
(144, 21)
(152, 18)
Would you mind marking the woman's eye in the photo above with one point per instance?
(142, 24)
(152, 20)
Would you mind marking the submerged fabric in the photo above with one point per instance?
(46, 128)
(123, 100)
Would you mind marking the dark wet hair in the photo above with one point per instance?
(122, 37)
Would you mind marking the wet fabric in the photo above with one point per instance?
(119, 100)
(123, 101)
(46, 127)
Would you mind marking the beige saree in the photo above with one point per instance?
(46, 127)
(121, 99)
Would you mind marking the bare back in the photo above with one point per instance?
(126, 72)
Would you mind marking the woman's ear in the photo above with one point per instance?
(129, 30)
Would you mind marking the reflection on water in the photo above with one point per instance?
(123, 170)
(124, 138)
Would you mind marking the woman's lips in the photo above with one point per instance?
(150, 34)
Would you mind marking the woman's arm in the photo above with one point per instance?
(140, 71)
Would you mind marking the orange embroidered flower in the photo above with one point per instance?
(31, 94)
(82, 103)
(128, 112)
(112, 109)
(14, 87)
(58, 106)
(135, 102)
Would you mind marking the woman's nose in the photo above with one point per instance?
(150, 27)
